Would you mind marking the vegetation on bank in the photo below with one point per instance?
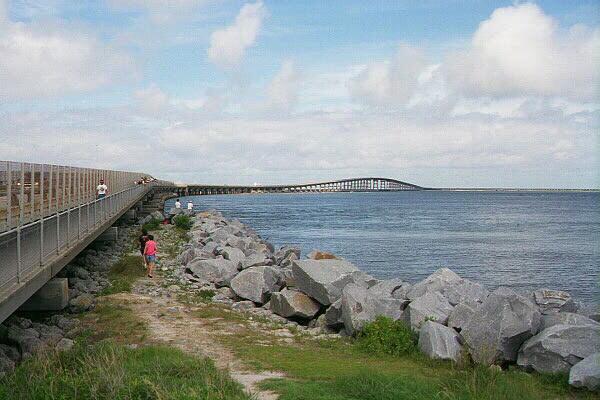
(183, 222)
(124, 273)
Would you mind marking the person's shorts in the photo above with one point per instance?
(151, 258)
(101, 196)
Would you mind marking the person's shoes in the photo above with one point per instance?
(150, 276)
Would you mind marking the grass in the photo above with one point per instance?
(183, 222)
(152, 225)
(197, 297)
(123, 274)
(111, 371)
(113, 320)
(386, 336)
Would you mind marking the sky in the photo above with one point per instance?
(468, 93)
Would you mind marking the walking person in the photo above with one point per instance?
(101, 190)
(150, 253)
(143, 239)
(190, 205)
(177, 204)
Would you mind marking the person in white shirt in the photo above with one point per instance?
(177, 204)
(101, 190)
(190, 205)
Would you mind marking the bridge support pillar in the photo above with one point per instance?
(53, 296)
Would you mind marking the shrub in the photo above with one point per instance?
(386, 336)
(152, 225)
(183, 222)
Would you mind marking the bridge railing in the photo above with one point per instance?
(46, 210)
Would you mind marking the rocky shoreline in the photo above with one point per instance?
(455, 318)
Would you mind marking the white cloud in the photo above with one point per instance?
(49, 59)
(161, 11)
(520, 51)
(283, 89)
(151, 99)
(228, 45)
(390, 82)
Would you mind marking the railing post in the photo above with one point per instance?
(9, 197)
(41, 214)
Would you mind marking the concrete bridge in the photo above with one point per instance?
(50, 213)
(343, 185)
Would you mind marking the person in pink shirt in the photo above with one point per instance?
(150, 254)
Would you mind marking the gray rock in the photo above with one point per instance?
(565, 318)
(81, 303)
(157, 215)
(255, 259)
(26, 339)
(10, 352)
(388, 287)
(186, 256)
(595, 316)
(285, 252)
(6, 364)
(440, 279)
(49, 334)
(431, 306)
(323, 280)
(499, 326)
(210, 247)
(460, 315)
(464, 290)
(81, 273)
(218, 271)
(558, 348)
(333, 315)
(257, 283)
(360, 305)
(293, 303)
(233, 254)
(64, 344)
(553, 301)
(287, 262)
(244, 305)
(586, 373)
(440, 342)
(288, 277)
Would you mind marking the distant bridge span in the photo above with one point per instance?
(370, 184)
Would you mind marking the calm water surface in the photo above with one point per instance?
(523, 240)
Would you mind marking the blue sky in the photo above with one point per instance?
(442, 93)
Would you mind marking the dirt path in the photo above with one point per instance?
(170, 322)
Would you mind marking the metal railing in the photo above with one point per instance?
(46, 210)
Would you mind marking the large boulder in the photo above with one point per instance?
(439, 342)
(435, 282)
(255, 259)
(186, 256)
(461, 314)
(157, 215)
(233, 254)
(559, 347)
(499, 326)
(81, 303)
(286, 252)
(333, 314)
(553, 301)
(586, 373)
(6, 364)
(565, 318)
(323, 280)
(218, 271)
(464, 290)
(360, 305)
(290, 303)
(431, 306)
(389, 288)
(27, 340)
(257, 283)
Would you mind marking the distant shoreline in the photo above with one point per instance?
(510, 190)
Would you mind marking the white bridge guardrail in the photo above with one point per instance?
(46, 210)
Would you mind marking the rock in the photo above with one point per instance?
(321, 255)
(157, 215)
(294, 304)
(244, 305)
(49, 334)
(432, 305)
(227, 292)
(323, 280)
(6, 364)
(288, 277)
(257, 283)
(26, 339)
(233, 254)
(287, 262)
(186, 256)
(218, 271)
(10, 352)
(565, 318)
(254, 260)
(499, 326)
(553, 301)
(460, 315)
(81, 303)
(64, 344)
(210, 247)
(388, 287)
(360, 305)
(464, 290)
(285, 252)
(81, 273)
(18, 321)
(440, 342)
(333, 315)
(586, 373)
(437, 281)
(559, 347)
(595, 316)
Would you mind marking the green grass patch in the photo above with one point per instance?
(111, 371)
(124, 273)
(196, 297)
(386, 336)
(183, 222)
(152, 225)
(115, 321)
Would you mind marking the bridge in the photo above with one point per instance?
(50, 213)
(343, 185)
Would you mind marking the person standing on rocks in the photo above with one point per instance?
(143, 239)
(177, 204)
(150, 254)
(101, 190)
(190, 205)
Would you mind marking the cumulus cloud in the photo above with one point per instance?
(228, 45)
(151, 99)
(283, 89)
(389, 82)
(47, 60)
(520, 50)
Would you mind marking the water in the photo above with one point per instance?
(523, 240)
